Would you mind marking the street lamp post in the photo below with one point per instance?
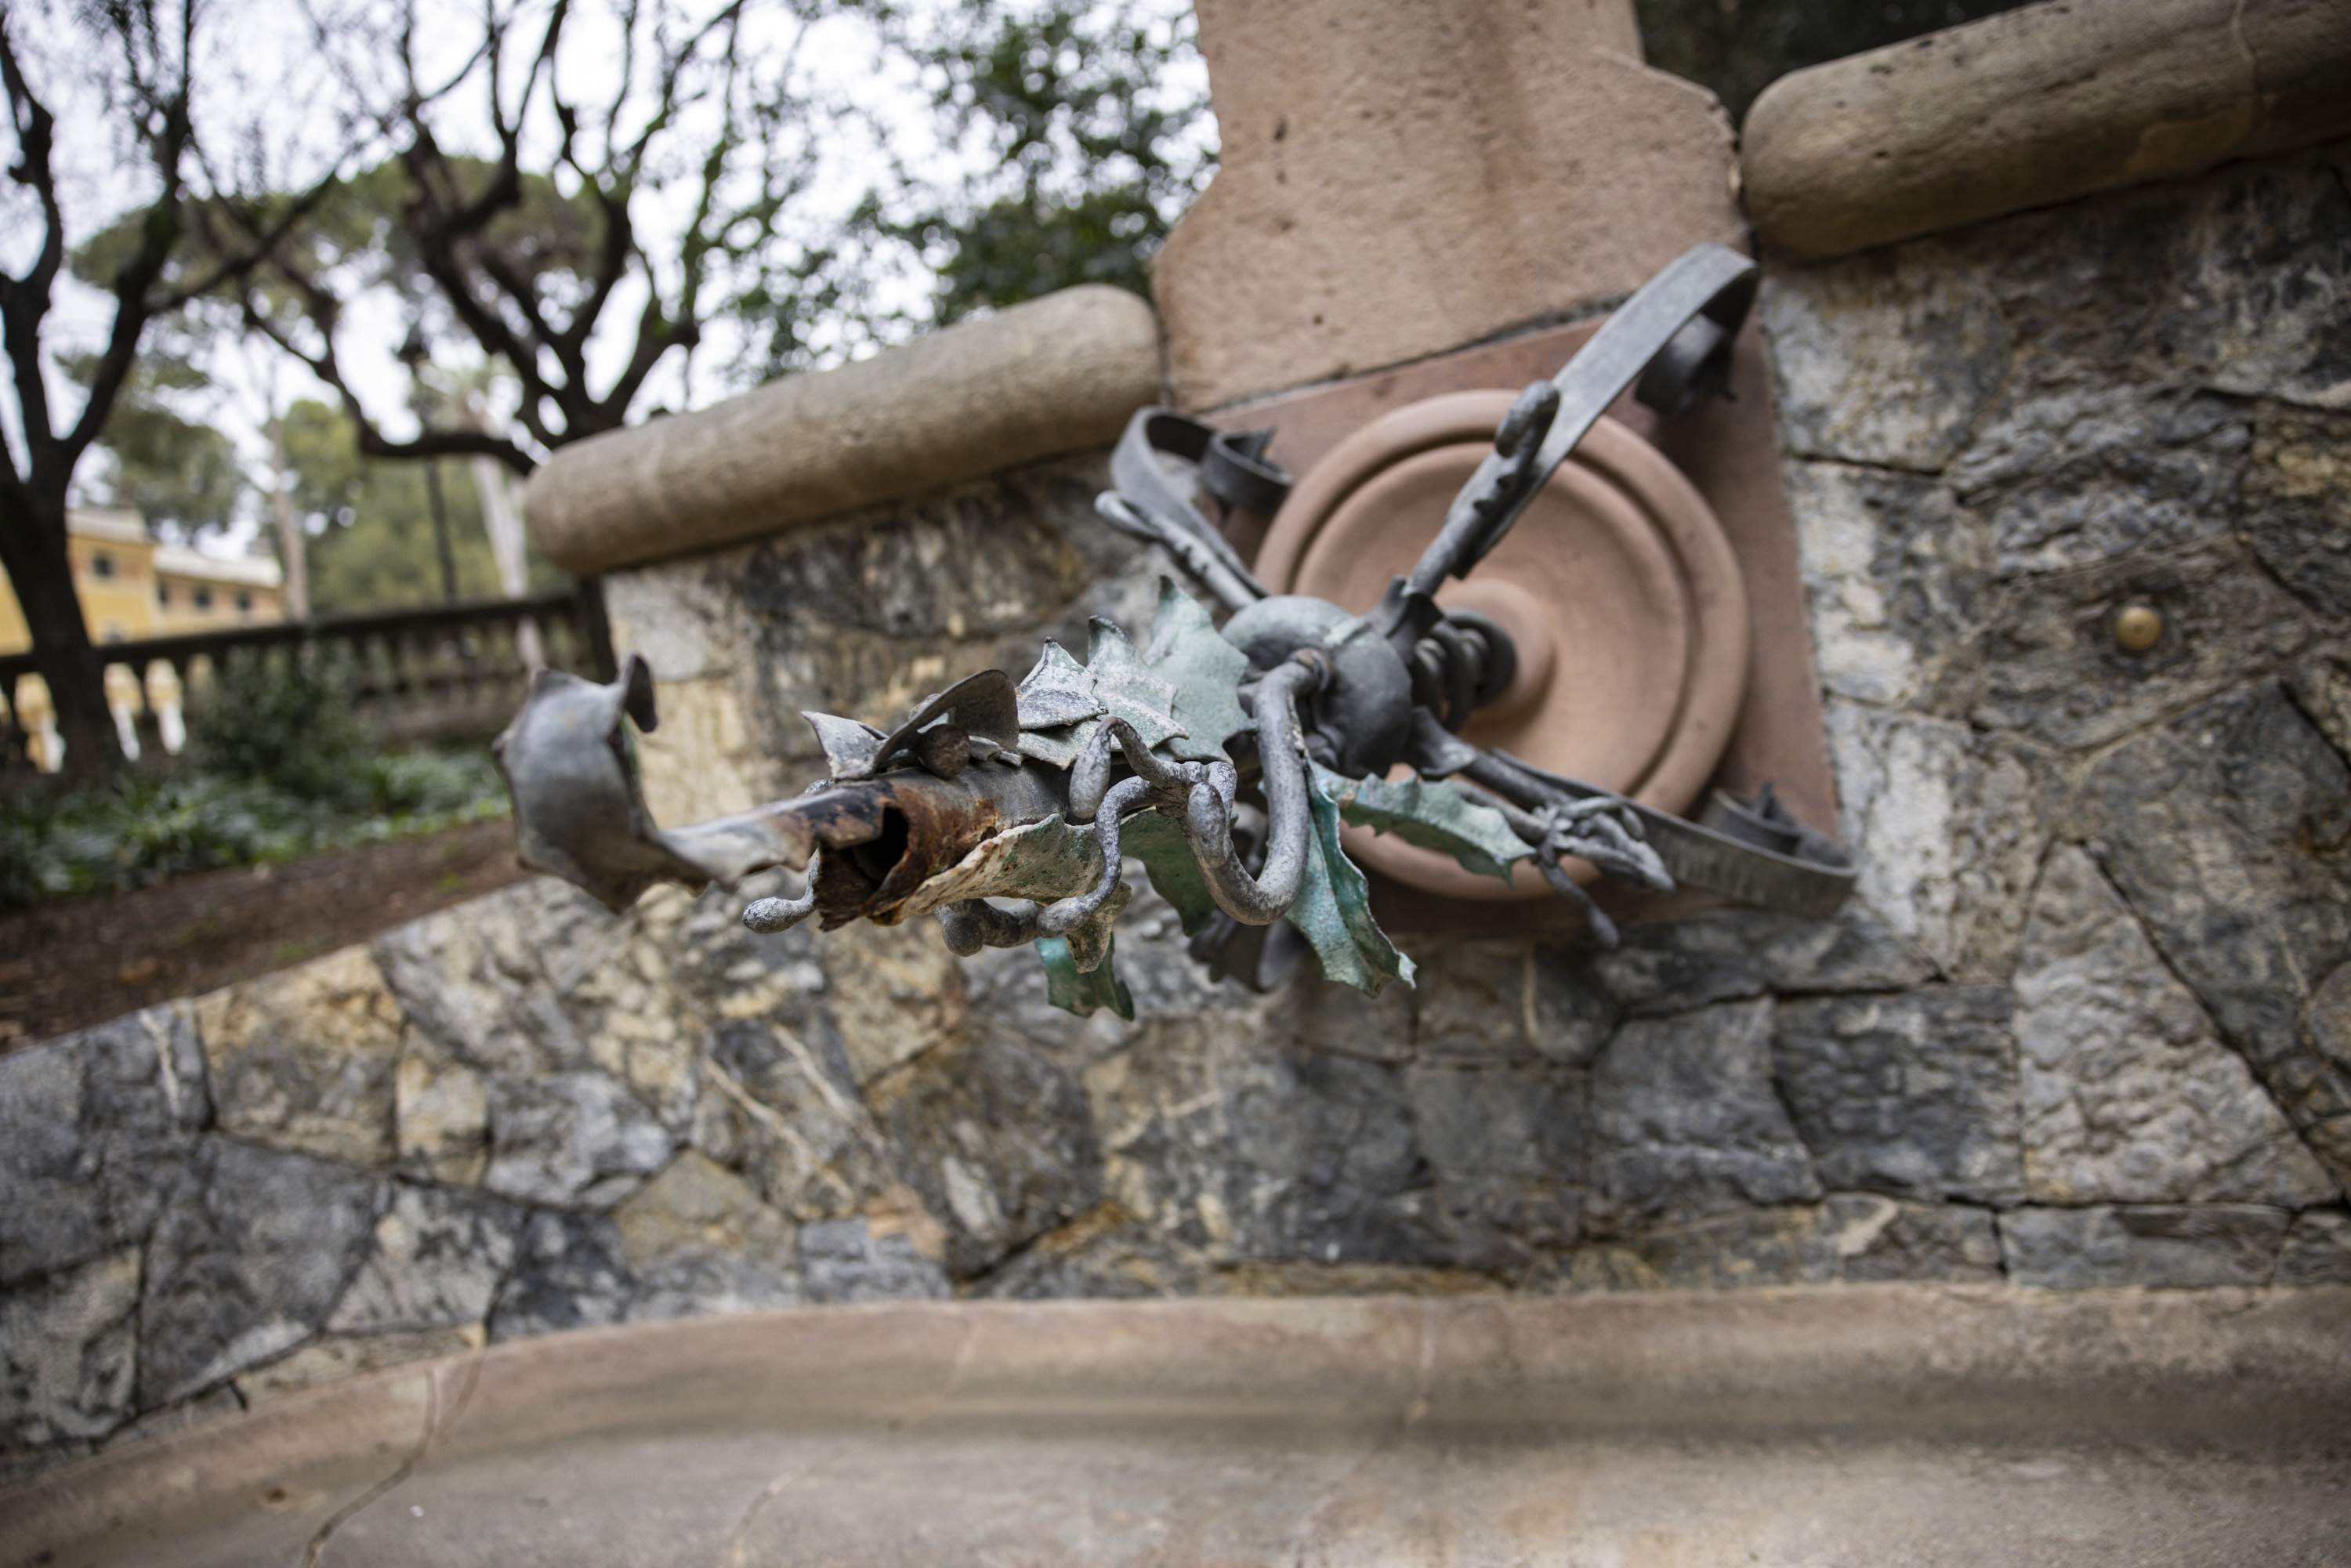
(412, 355)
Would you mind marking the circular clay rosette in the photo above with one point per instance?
(1617, 584)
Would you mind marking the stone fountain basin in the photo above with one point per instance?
(1888, 1425)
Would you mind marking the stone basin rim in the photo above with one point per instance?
(2264, 1368)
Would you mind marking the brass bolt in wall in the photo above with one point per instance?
(2137, 628)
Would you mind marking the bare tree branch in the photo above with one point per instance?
(24, 302)
(535, 297)
(12, 487)
(453, 441)
(150, 65)
(234, 265)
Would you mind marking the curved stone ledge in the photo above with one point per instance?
(2036, 107)
(1948, 1425)
(1056, 375)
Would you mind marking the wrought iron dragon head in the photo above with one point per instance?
(1222, 757)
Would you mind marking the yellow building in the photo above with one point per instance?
(131, 587)
(197, 592)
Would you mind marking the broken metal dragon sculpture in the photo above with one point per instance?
(1223, 758)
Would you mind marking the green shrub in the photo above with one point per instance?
(411, 783)
(281, 720)
(139, 830)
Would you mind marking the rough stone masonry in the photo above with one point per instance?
(2087, 1022)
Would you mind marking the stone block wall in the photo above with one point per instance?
(2088, 1020)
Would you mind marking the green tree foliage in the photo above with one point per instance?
(1089, 137)
(181, 475)
(567, 208)
(560, 194)
(354, 230)
(369, 521)
(139, 86)
(1073, 133)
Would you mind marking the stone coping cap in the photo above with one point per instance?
(1053, 376)
(2035, 107)
(2254, 1373)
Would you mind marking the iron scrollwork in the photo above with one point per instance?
(1224, 758)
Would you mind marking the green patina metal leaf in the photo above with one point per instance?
(1057, 692)
(1436, 815)
(1182, 692)
(1128, 689)
(1333, 911)
(1159, 843)
(1044, 860)
(1081, 991)
(1192, 655)
(848, 746)
(1057, 748)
